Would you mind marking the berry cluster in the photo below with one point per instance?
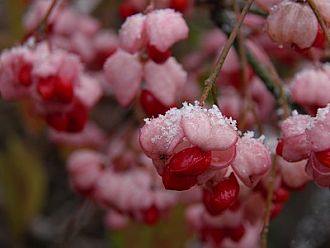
(119, 183)
(73, 31)
(144, 55)
(305, 137)
(53, 81)
(194, 145)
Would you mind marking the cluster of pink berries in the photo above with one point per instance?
(144, 55)
(121, 181)
(307, 138)
(54, 83)
(193, 154)
(194, 145)
(73, 31)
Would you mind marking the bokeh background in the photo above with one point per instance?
(38, 207)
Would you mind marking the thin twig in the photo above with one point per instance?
(283, 99)
(214, 95)
(320, 19)
(249, 104)
(223, 54)
(270, 189)
(44, 21)
(41, 26)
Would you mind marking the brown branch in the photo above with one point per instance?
(210, 81)
(248, 102)
(43, 22)
(270, 189)
(283, 99)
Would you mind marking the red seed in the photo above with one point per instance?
(150, 215)
(24, 75)
(156, 55)
(46, 88)
(151, 105)
(222, 196)
(190, 162)
(58, 121)
(177, 182)
(319, 42)
(64, 90)
(100, 58)
(50, 28)
(276, 210)
(279, 147)
(236, 233)
(126, 10)
(54, 88)
(77, 118)
(281, 195)
(324, 157)
(320, 39)
(312, 109)
(179, 5)
(215, 234)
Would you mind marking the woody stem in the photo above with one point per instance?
(210, 81)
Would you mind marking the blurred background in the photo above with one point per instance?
(38, 207)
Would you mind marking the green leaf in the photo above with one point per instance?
(23, 181)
